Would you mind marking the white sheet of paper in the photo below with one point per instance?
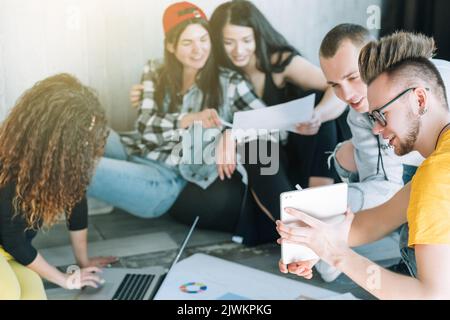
(280, 117)
(222, 279)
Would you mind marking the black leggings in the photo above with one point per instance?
(227, 206)
(308, 155)
(218, 207)
(267, 188)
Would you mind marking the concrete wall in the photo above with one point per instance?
(106, 42)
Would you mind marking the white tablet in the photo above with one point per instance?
(328, 204)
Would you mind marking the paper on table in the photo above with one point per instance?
(223, 278)
(280, 117)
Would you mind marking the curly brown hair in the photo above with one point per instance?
(49, 145)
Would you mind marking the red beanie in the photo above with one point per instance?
(180, 12)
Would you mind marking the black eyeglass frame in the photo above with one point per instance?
(378, 115)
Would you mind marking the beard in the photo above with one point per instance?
(407, 144)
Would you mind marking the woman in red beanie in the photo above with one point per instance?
(145, 173)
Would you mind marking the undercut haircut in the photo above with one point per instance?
(404, 57)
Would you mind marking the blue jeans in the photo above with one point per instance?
(140, 186)
(408, 173)
(408, 254)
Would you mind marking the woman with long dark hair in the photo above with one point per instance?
(245, 41)
(49, 145)
(169, 163)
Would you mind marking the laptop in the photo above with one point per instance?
(133, 284)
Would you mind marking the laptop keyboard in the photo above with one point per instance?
(134, 287)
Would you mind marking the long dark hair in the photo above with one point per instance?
(169, 76)
(269, 42)
(49, 145)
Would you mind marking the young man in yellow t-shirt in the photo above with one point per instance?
(408, 106)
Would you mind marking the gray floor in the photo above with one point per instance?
(142, 243)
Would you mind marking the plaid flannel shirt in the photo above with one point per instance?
(158, 133)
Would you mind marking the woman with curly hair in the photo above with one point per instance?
(49, 145)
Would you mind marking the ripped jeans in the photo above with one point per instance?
(367, 194)
(140, 186)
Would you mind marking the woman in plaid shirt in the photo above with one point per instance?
(145, 172)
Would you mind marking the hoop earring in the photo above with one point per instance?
(423, 111)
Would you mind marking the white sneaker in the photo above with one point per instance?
(327, 272)
(96, 207)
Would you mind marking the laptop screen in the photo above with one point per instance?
(177, 257)
(183, 245)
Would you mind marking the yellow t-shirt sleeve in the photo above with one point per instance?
(429, 206)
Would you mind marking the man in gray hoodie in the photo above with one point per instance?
(366, 162)
(409, 108)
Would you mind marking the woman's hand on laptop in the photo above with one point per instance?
(100, 262)
(328, 241)
(300, 268)
(80, 278)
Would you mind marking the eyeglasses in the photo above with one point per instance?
(378, 115)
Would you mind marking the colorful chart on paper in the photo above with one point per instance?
(193, 288)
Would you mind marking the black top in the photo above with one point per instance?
(273, 95)
(14, 236)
